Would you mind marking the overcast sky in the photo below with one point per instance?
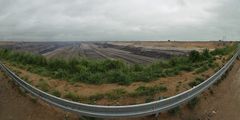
(119, 19)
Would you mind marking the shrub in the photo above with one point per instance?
(56, 93)
(224, 51)
(26, 78)
(149, 99)
(194, 56)
(72, 96)
(202, 69)
(149, 91)
(116, 94)
(206, 54)
(197, 81)
(118, 77)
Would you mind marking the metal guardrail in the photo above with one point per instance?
(126, 110)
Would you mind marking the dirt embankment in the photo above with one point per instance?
(16, 105)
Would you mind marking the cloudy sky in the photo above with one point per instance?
(119, 19)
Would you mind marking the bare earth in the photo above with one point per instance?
(15, 105)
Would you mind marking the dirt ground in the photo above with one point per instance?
(16, 105)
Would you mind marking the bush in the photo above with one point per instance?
(197, 81)
(72, 96)
(206, 54)
(149, 91)
(118, 77)
(116, 94)
(56, 93)
(149, 99)
(224, 51)
(194, 56)
(202, 69)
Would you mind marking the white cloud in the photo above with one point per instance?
(116, 19)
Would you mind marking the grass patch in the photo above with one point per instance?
(116, 94)
(202, 69)
(148, 91)
(55, 93)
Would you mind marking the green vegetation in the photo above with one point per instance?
(149, 99)
(149, 91)
(55, 93)
(224, 51)
(197, 81)
(72, 96)
(116, 94)
(119, 93)
(112, 71)
(202, 69)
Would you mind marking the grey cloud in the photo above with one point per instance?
(119, 19)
